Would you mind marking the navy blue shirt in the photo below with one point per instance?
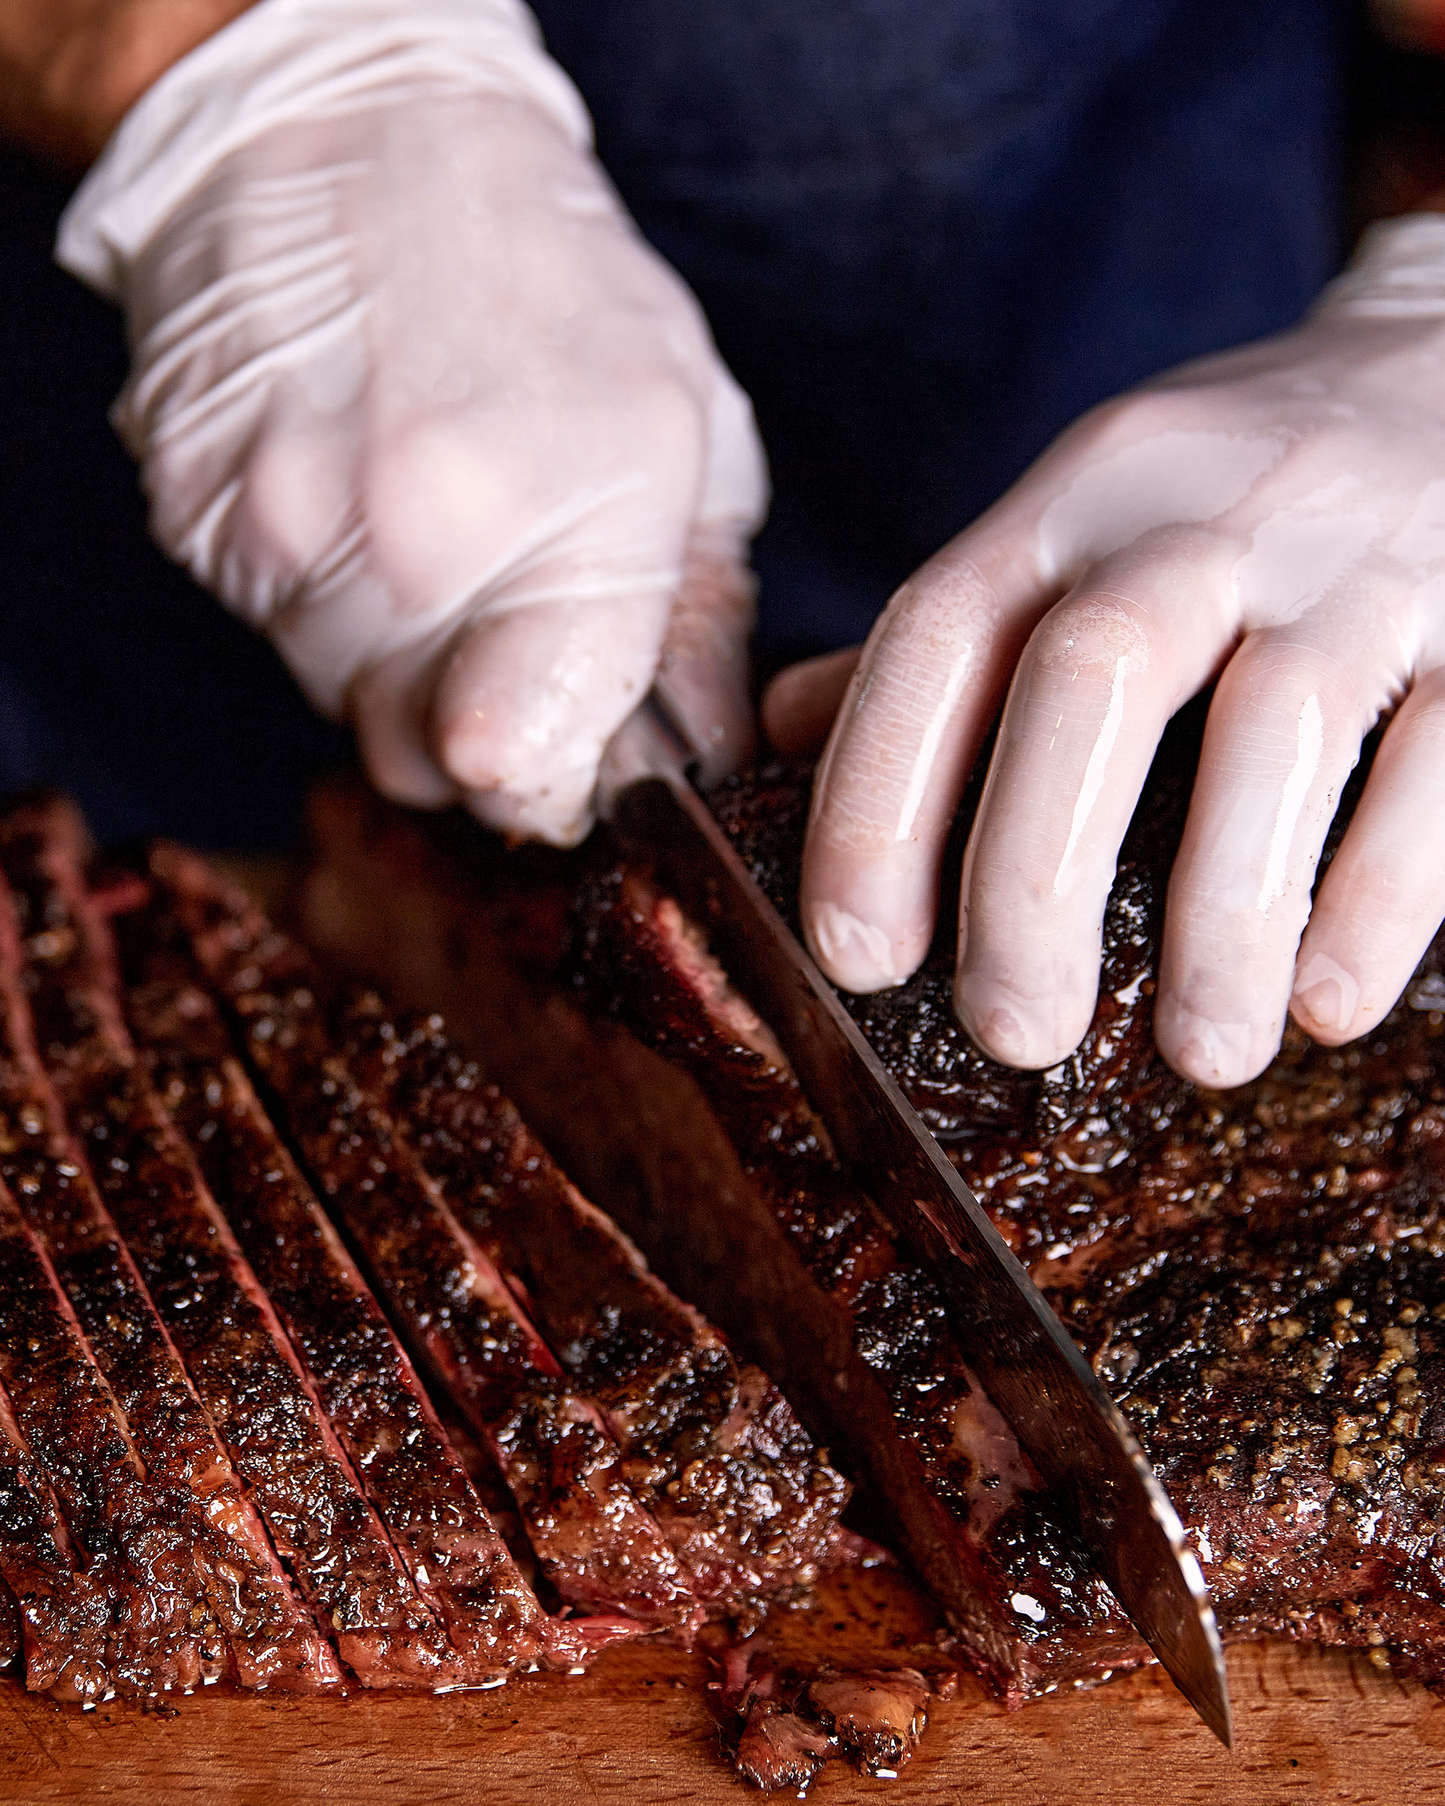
(928, 233)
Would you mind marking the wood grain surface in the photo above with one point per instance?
(1313, 1726)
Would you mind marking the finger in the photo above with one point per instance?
(389, 704)
(909, 728)
(1283, 733)
(529, 699)
(1100, 677)
(1383, 898)
(703, 670)
(702, 673)
(801, 704)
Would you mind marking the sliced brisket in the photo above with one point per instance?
(727, 1188)
(364, 1381)
(60, 1616)
(878, 1359)
(711, 1447)
(274, 1639)
(157, 1631)
(595, 1542)
(209, 1300)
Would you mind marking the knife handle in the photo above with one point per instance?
(651, 743)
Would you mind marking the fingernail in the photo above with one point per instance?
(1211, 1053)
(1005, 1027)
(1326, 993)
(858, 955)
(1002, 1035)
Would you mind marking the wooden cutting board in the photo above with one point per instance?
(1313, 1726)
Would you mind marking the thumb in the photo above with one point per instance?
(702, 673)
(529, 698)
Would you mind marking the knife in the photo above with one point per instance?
(1029, 1365)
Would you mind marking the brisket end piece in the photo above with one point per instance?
(364, 1380)
(1292, 1399)
(157, 1631)
(1255, 1273)
(210, 1302)
(273, 1636)
(596, 1544)
(61, 1617)
(711, 1447)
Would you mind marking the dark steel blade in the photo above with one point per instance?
(1027, 1361)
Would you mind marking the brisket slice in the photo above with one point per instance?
(209, 1300)
(60, 1616)
(362, 1377)
(711, 1447)
(272, 1635)
(141, 1622)
(596, 1544)
(1255, 1274)
(969, 1507)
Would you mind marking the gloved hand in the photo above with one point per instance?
(410, 393)
(1273, 518)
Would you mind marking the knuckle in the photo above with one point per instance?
(1125, 419)
(1096, 629)
(1280, 668)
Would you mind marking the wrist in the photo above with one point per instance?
(70, 71)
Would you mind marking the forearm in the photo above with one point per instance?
(70, 69)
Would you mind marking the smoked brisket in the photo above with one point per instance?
(216, 1459)
(1256, 1274)
(210, 1302)
(140, 1619)
(59, 1616)
(363, 1379)
(273, 1638)
(710, 1445)
(597, 1545)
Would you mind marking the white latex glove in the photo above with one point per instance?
(1273, 518)
(411, 395)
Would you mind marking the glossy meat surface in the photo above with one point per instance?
(273, 1637)
(596, 1543)
(211, 1304)
(363, 1380)
(710, 1446)
(1256, 1274)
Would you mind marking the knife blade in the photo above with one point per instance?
(1029, 1365)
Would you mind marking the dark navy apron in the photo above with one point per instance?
(928, 233)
